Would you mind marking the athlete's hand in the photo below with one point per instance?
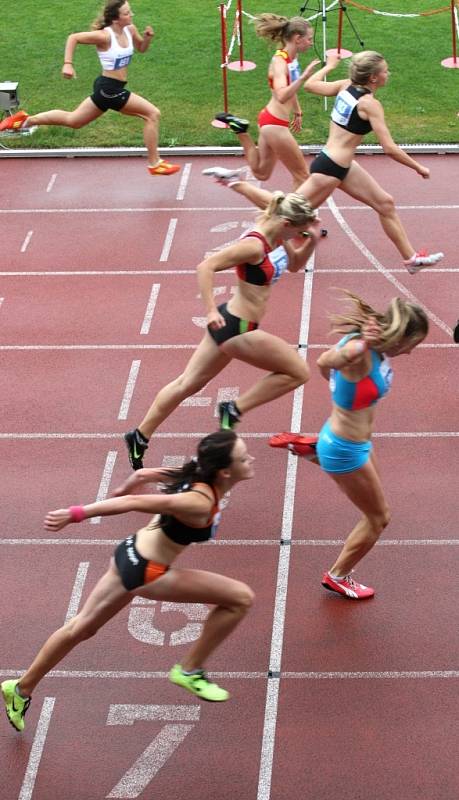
(424, 172)
(296, 123)
(333, 59)
(215, 320)
(310, 68)
(371, 332)
(55, 520)
(148, 32)
(68, 71)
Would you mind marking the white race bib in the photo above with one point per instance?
(279, 260)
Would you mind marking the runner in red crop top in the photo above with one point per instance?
(282, 115)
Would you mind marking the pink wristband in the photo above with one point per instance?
(77, 513)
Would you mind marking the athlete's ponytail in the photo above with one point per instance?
(214, 453)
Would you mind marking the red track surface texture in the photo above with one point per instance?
(99, 308)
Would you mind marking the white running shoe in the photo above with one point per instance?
(422, 259)
(228, 176)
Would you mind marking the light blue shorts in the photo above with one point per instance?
(341, 455)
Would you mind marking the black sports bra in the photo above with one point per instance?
(184, 534)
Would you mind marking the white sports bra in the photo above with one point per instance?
(116, 56)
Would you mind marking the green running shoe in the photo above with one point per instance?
(198, 684)
(228, 414)
(15, 705)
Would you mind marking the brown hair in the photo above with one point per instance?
(215, 452)
(109, 13)
(402, 320)
(280, 29)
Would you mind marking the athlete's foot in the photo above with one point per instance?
(347, 586)
(228, 177)
(456, 333)
(198, 684)
(15, 122)
(236, 124)
(229, 415)
(136, 445)
(15, 705)
(163, 168)
(421, 260)
(304, 446)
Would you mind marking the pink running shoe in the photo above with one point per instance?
(14, 122)
(347, 586)
(304, 446)
(422, 259)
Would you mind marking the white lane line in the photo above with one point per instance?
(151, 305)
(193, 209)
(277, 637)
(129, 390)
(77, 590)
(105, 481)
(184, 181)
(312, 676)
(51, 182)
(36, 752)
(168, 240)
(428, 346)
(246, 435)
(26, 242)
(96, 273)
(241, 542)
(1, 301)
(377, 264)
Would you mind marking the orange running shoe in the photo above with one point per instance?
(298, 445)
(163, 168)
(15, 122)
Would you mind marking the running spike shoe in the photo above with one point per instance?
(163, 168)
(347, 586)
(422, 259)
(229, 415)
(14, 122)
(15, 705)
(456, 333)
(227, 176)
(198, 684)
(298, 445)
(136, 449)
(236, 124)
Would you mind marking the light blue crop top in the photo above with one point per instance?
(355, 395)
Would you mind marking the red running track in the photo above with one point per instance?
(99, 308)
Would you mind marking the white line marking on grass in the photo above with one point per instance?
(77, 590)
(151, 305)
(105, 481)
(129, 390)
(51, 182)
(26, 242)
(36, 752)
(373, 260)
(277, 638)
(168, 240)
(184, 181)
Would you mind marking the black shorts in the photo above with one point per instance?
(326, 166)
(135, 570)
(234, 326)
(109, 93)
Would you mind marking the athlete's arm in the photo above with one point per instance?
(281, 90)
(249, 251)
(375, 113)
(141, 42)
(298, 256)
(353, 352)
(317, 85)
(141, 478)
(99, 38)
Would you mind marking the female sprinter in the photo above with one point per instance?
(142, 565)
(359, 375)
(260, 258)
(115, 38)
(283, 112)
(355, 113)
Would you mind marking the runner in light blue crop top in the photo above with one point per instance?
(355, 395)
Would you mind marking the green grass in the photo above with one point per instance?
(181, 72)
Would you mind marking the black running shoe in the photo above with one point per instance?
(229, 415)
(135, 448)
(236, 124)
(456, 333)
(323, 232)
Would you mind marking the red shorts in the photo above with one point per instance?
(266, 118)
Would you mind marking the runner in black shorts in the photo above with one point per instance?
(115, 38)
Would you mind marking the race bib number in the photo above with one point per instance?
(332, 381)
(122, 61)
(215, 523)
(387, 373)
(279, 261)
(294, 70)
(343, 108)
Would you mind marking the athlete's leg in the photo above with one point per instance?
(232, 599)
(282, 142)
(361, 186)
(206, 362)
(107, 598)
(265, 351)
(318, 187)
(363, 488)
(137, 106)
(86, 112)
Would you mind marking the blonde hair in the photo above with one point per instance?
(364, 65)
(108, 14)
(280, 29)
(402, 320)
(292, 207)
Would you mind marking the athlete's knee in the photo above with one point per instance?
(379, 521)
(386, 206)
(79, 629)
(153, 115)
(301, 374)
(244, 598)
